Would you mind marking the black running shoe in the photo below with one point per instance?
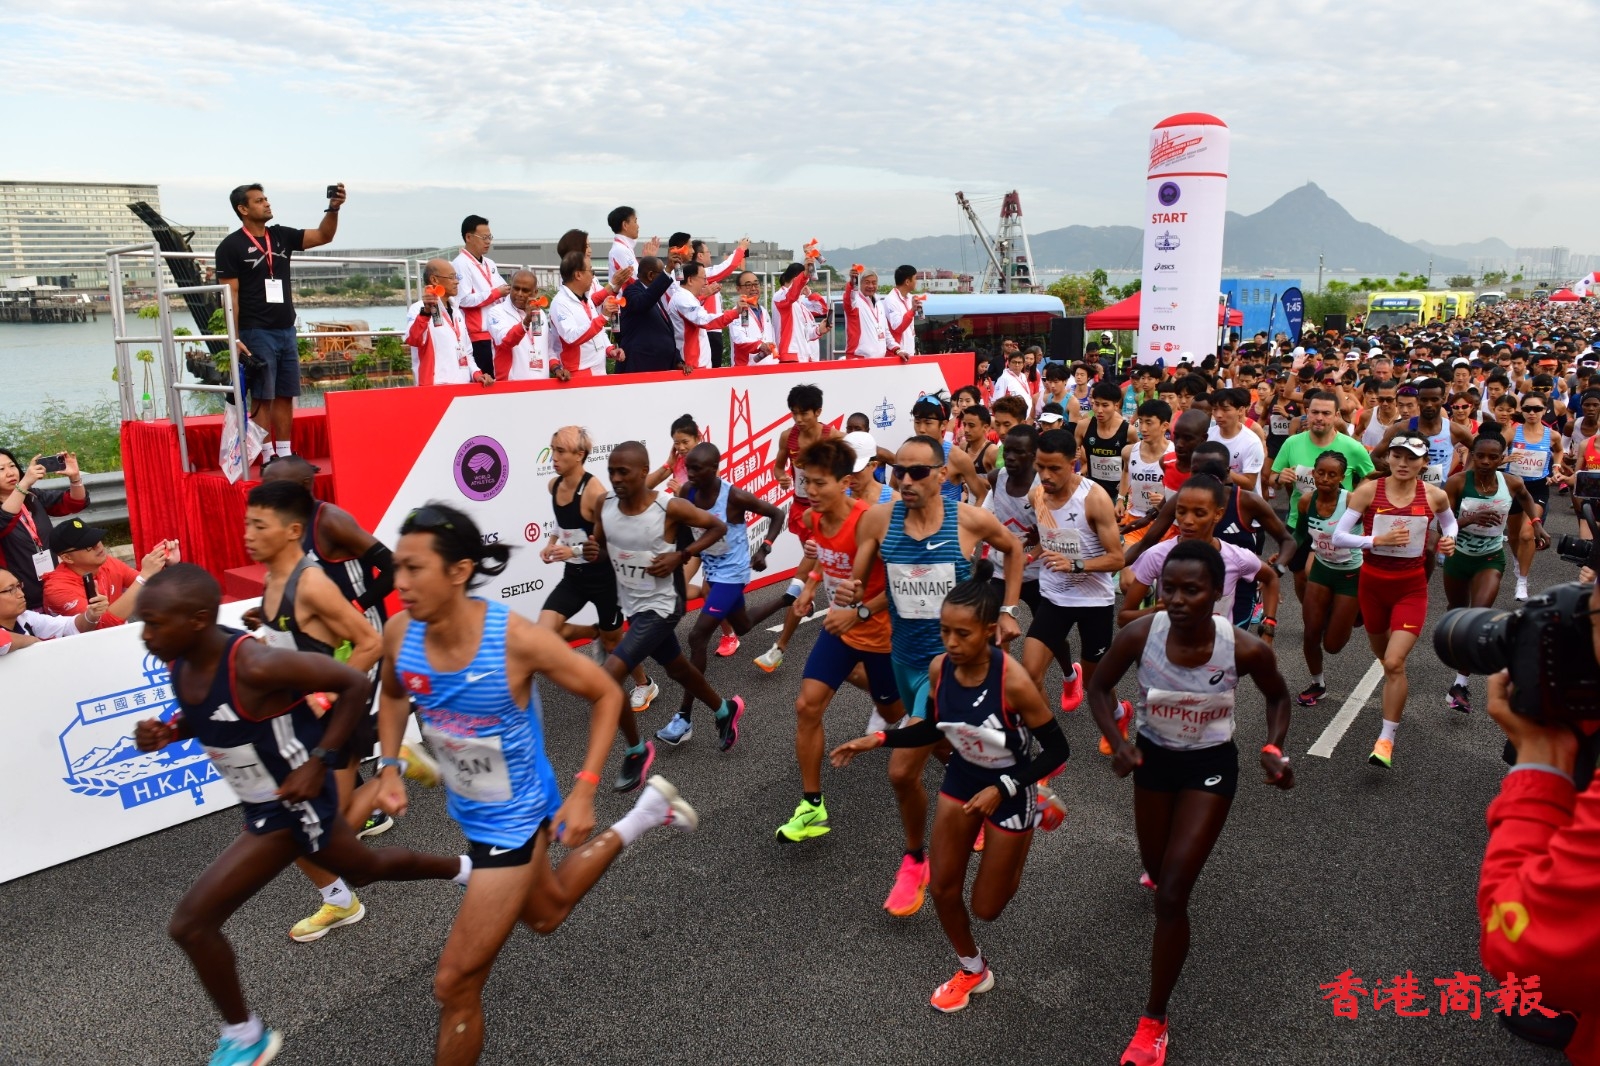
(728, 725)
(1459, 698)
(634, 767)
(1310, 695)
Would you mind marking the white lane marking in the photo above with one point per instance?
(1347, 714)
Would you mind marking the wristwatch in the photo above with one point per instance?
(864, 612)
(1077, 566)
(1009, 608)
(320, 752)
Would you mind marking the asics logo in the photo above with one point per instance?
(937, 544)
(500, 851)
(471, 677)
(1216, 780)
(1216, 678)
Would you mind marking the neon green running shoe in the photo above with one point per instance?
(810, 820)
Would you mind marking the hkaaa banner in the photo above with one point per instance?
(1186, 201)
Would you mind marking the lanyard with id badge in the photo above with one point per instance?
(43, 562)
(274, 285)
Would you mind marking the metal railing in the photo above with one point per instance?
(108, 497)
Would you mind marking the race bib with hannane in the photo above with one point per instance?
(918, 589)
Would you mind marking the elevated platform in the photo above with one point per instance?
(203, 509)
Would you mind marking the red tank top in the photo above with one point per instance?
(1379, 558)
(836, 554)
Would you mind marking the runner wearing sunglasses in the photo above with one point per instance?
(1535, 457)
(924, 544)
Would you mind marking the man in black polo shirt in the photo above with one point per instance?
(253, 261)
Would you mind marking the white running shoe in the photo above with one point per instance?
(643, 696)
(1522, 589)
(675, 810)
(876, 724)
(770, 659)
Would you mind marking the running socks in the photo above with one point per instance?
(1389, 731)
(1316, 679)
(1461, 679)
(648, 812)
(813, 798)
(281, 450)
(723, 711)
(972, 964)
(245, 1033)
(464, 874)
(338, 894)
(1072, 676)
(637, 749)
(917, 855)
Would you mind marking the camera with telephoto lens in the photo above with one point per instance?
(1586, 492)
(1546, 644)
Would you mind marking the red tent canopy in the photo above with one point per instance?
(1563, 296)
(1124, 314)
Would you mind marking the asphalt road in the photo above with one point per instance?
(726, 946)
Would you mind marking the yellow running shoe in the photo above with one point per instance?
(327, 917)
(420, 766)
(1382, 754)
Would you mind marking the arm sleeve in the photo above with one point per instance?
(379, 561)
(1447, 523)
(1537, 887)
(1052, 756)
(919, 734)
(1343, 537)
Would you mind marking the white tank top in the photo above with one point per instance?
(633, 542)
(1015, 513)
(1147, 482)
(1186, 707)
(1075, 538)
(1372, 436)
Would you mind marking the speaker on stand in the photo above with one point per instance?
(1066, 340)
(1336, 324)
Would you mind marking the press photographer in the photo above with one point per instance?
(1539, 889)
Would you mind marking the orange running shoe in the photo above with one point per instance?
(1148, 1046)
(1052, 812)
(1382, 754)
(910, 886)
(957, 992)
(1124, 720)
(1072, 691)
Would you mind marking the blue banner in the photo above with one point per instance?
(1294, 312)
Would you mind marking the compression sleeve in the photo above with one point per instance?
(377, 558)
(1342, 535)
(1052, 756)
(1448, 526)
(919, 734)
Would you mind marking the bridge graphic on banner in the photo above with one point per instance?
(101, 758)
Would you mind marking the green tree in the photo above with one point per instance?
(1494, 278)
(356, 282)
(1078, 293)
(1516, 279)
(1460, 281)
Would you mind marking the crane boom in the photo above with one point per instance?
(988, 243)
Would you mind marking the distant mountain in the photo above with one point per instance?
(1492, 249)
(1287, 235)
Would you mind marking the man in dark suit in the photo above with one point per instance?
(646, 330)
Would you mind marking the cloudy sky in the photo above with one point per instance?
(1450, 122)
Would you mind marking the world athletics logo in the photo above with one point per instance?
(102, 759)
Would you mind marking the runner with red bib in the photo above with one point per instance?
(1395, 512)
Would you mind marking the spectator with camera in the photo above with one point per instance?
(21, 627)
(88, 572)
(253, 261)
(25, 513)
(436, 331)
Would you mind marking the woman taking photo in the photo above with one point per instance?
(1183, 759)
(25, 514)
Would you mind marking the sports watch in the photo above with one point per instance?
(863, 612)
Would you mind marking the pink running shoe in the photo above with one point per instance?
(1072, 691)
(728, 645)
(910, 886)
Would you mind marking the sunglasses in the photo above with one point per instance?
(916, 472)
(424, 519)
(1461, 407)
(1533, 410)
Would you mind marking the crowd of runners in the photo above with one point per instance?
(1158, 517)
